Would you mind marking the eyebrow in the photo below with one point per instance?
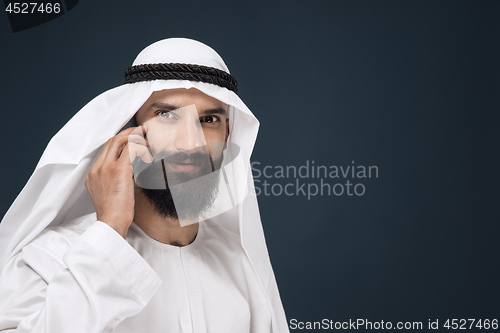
(171, 107)
(219, 111)
(165, 106)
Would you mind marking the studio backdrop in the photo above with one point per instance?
(377, 160)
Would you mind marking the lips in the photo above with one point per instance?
(184, 166)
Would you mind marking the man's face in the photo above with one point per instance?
(187, 131)
(184, 120)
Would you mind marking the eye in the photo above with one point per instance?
(165, 114)
(209, 119)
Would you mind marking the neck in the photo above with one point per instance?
(163, 229)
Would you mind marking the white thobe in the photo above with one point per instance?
(84, 277)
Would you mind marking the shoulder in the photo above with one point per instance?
(45, 253)
(222, 249)
(57, 240)
(216, 236)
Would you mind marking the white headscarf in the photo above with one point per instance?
(56, 193)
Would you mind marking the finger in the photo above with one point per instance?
(115, 148)
(117, 143)
(135, 150)
(129, 155)
(139, 135)
(104, 152)
(139, 130)
(138, 140)
(128, 131)
(134, 135)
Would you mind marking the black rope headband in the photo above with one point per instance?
(189, 72)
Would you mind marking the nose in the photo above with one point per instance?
(189, 135)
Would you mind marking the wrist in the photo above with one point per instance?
(120, 226)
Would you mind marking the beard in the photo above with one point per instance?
(180, 195)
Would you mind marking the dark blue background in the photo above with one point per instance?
(412, 87)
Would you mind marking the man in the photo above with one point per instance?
(151, 228)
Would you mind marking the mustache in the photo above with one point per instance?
(197, 158)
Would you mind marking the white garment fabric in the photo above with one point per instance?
(55, 194)
(84, 277)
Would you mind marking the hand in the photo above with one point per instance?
(110, 181)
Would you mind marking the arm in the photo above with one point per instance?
(101, 281)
